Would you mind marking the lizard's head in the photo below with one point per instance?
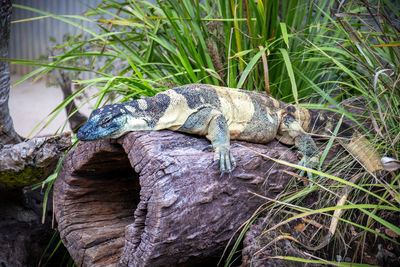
(111, 121)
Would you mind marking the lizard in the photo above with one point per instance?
(223, 114)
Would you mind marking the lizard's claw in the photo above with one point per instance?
(228, 172)
(209, 148)
(224, 157)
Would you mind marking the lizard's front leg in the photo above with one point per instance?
(212, 123)
(218, 134)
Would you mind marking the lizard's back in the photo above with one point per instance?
(251, 116)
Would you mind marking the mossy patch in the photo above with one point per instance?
(28, 176)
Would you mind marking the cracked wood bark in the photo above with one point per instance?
(29, 162)
(154, 198)
(23, 236)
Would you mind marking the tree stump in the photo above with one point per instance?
(156, 199)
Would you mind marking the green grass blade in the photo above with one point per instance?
(250, 67)
(290, 72)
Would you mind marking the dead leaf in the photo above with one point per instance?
(391, 233)
(361, 149)
(300, 227)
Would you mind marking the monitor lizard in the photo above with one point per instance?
(222, 114)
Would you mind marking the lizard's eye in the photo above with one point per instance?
(106, 121)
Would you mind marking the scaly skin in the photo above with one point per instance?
(220, 114)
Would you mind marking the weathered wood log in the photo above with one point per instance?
(155, 198)
(29, 162)
(23, 236)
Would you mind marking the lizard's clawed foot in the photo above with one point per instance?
(224, 158)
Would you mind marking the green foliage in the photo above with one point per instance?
(370, 46)
(243, 44)
(365, 55)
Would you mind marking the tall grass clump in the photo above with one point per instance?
(371, 43)
(365, 65)
(372, 47)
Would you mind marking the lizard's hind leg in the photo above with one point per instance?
(308, 149)
(303, 141)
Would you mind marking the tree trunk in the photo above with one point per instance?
(7, 133)
(155, 199)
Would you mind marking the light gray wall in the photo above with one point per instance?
(30, 40)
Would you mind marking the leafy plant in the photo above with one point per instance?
(242, 44)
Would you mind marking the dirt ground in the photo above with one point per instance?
(31, 102)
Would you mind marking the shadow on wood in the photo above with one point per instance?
(155, 198)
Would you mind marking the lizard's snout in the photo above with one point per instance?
(82, 133)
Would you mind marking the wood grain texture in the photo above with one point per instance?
(155, 198)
